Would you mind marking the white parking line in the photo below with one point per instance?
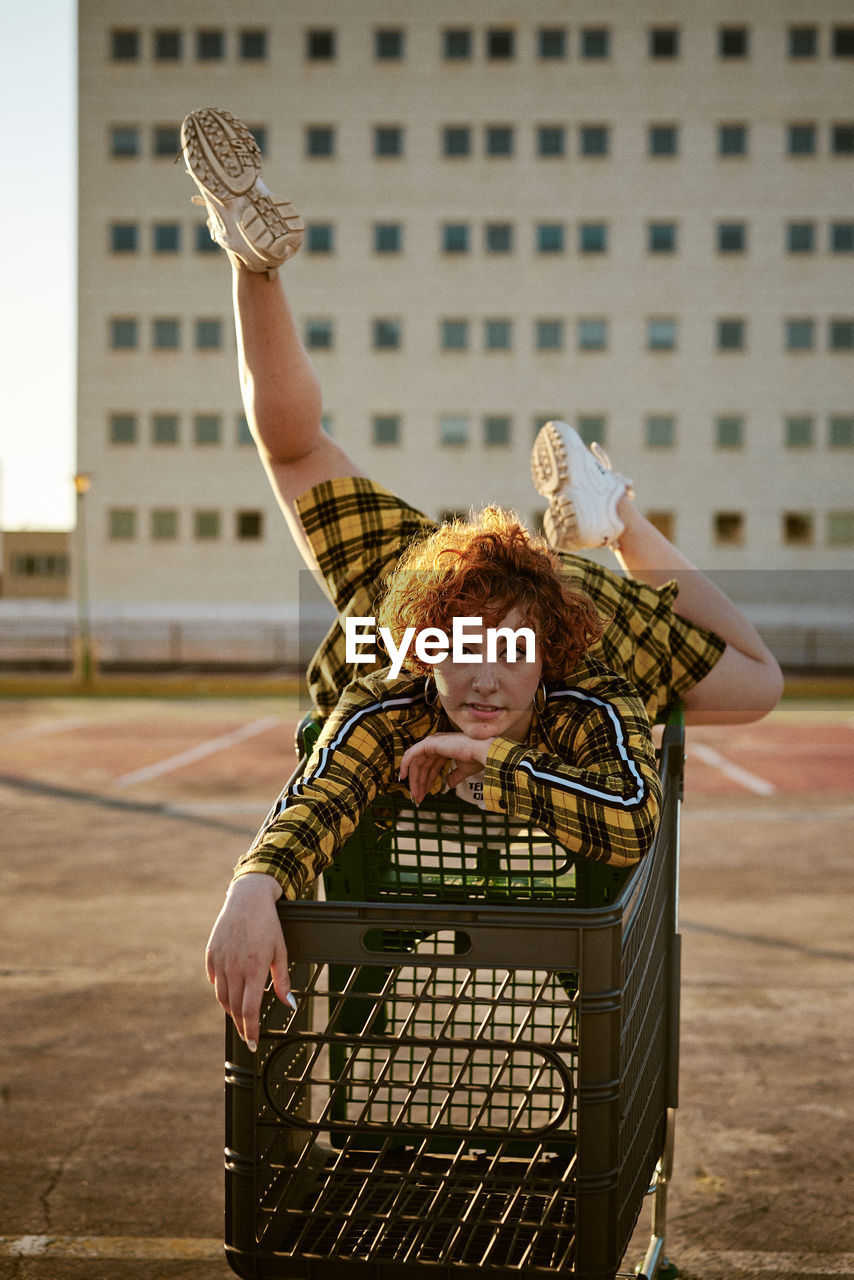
(197, 753)
(196, 1248)
(744, 778)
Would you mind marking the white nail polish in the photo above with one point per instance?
(291, 999)
(251, 1046)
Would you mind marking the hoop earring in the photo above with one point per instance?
(430, 683)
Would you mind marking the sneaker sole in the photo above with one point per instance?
(224, 160)
(560, 524)
(549, 463)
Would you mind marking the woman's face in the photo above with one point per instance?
(491, 699)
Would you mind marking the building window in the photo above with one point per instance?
(733, 42)
(207, 428)
(842, 139)
(841, 237)
(124, 333)
(498, 237)
(591, 428)
(252, 45)
(664, 522)
(800, 335)
(385, 429)
(840, 432)
(168, 45)
(499, 140)
(728, 528)
(124, 141)
(319, 141)
(732, 237)
(124, 45)
(661, 334)
(166, 237)
(320, 44)
(387, 334)
(551, 43)
(164, 428)
(731, 335)
(45, 566)
(801, 140)
(663, 140)
(319, 335)
(661, 237)
(242, 435)
(388, 44)
(388, 237)
(594, 42)
(660, 431)
(803, 42)
(839, 528)
(797, 528)
(497, 335)
(729, 432)
(842, 42)
(840, 335)
(259, 133)
(208, 335)
(551, 140)
(164, 525)
(497, 430)
(121, 524)
(210, 45)
(167, 141)
(124, 237)
(799, 432)
(166, 333)
(664, 42)
(206, 525)
(453, 429)
(800, 237)
(549, 335)
(500, 43)
(456, 140)
(248, 526)
(550, 237)
(454, 335)
(592, 335)
(320, 237)
(123, 428)
(456, 237)
(594, 140)
(732, 140)
(202, 240)
(457, 43)
(593, 237)
(388, 140)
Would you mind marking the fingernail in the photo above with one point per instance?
(251, 1046)
(291, 1000)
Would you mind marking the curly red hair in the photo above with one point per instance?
(484, 567)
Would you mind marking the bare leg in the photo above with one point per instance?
(282, 397)
(746, 683)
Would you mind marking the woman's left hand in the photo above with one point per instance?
(424, 761)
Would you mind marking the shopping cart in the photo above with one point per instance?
(481, 1074)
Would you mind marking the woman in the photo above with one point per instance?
(551, 738)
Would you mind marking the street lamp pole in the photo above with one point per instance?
(82, 483)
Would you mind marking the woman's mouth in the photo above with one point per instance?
(483, 708)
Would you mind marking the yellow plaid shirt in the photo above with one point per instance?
(586, 774)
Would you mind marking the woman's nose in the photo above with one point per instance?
(485, 677)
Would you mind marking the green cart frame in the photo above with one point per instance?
(481, 1075)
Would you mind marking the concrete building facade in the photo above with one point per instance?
(635, 217)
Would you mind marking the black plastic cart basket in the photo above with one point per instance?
(481, 1073)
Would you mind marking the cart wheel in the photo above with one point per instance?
(667, 1271)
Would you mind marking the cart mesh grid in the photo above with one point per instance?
(462, 1088)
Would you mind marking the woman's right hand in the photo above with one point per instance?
(246, 944)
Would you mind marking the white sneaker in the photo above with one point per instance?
(582, 489)
(244, 216)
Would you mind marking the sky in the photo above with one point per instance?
(38, 80)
